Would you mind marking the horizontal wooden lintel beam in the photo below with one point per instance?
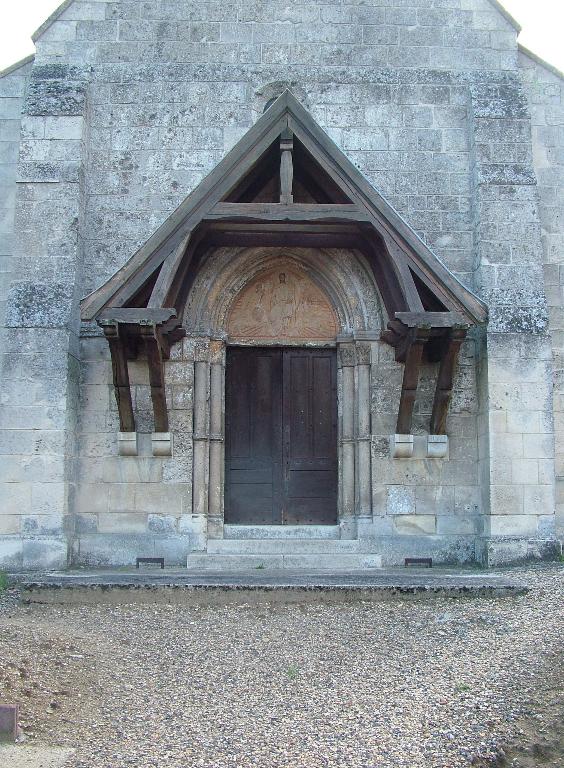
(432, 319)
(283, 212)
(135, 316)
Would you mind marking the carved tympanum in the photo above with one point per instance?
(282, 304)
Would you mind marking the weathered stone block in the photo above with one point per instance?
(9, 524)
(458, 526)
(400, 500)
(122, 522)
(415, 524)
(38, 305)
(513, 525)
(44, 553)
(55, 97)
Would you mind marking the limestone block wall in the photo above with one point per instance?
(422, 505)
(40, 338)
(144, 502)
(17, 497)
(130, 105)
(516, 434)
(545, 92)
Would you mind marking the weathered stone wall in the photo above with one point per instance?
(130, 104)
(545, 91)
(516, 439)
(16, 498)
(40, 361)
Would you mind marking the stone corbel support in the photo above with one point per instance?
(401, 446)
(127, 443)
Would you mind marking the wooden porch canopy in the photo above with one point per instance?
(285, 183)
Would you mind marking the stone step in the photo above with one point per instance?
(202, 561)
(281, 532)
(281, 546)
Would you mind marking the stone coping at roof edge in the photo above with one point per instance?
(499, 7)
(17, 65)
(67, 3)
(541, 62)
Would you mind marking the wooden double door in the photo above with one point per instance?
(281, 436)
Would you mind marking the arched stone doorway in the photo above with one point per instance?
(284, 299)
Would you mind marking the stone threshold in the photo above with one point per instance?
(174, 586)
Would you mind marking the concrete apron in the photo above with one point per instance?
(173, 587)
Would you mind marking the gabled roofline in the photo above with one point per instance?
(286, 112)
(505, 13)
(64, 5)
(17, 65)
(52, 18)
(541, 62)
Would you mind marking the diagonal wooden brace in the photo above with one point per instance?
(417, 337)
(445, 380)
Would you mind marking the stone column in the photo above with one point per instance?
(363, 473)
(200, 475)
(217, 419)
(516, 445)
(346, 361)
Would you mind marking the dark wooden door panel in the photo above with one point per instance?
(253, 436)
(310, 436)
(281, 436)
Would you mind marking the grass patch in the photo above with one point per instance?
(3, 581)
(292, 671)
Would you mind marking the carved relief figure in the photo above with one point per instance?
(282, 305)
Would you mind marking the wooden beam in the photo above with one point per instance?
(399, 263)
(445, 381)
(432, 319)
(214, 187)
(120, 376)
(279, 212)
(286, 167)
(167, 273)
(156, 379)
(414, 355)
(135, 315)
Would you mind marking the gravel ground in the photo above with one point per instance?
(437, 683)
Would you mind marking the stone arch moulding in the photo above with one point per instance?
(338, 278)
(286, 184)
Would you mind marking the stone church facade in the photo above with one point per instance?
(281, 285)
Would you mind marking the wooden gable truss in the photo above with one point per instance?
(286, 183)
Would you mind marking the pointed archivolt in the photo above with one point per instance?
(286, 183)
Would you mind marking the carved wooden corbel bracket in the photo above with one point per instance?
(412, 348)
(439, 335)
(445, 379)
(128, 331)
